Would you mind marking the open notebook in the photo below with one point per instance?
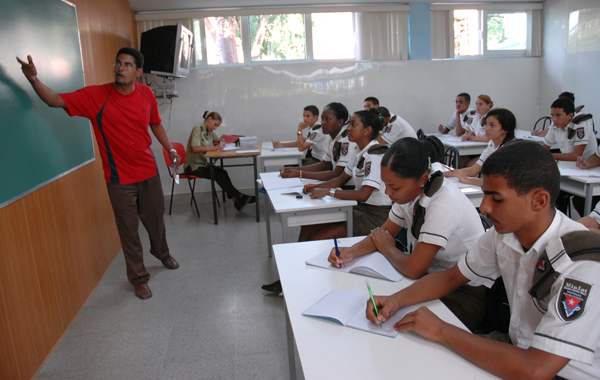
(372, 265)
(348, 309)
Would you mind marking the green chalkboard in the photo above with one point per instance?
(39, 144)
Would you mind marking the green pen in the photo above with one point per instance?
(373, 300)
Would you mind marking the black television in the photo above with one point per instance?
(167, 50)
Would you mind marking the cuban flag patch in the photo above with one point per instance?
(571, 300)
(345, 148)
(387, 129)
(367, 169)
(312, 136)
(580, 133)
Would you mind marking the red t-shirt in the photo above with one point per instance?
(121, 128)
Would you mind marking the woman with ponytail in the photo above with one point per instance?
(500, 125)
(442, 223)
(202, 140)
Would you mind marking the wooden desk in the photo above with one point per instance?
(303, 212)
(270, 157)
(330, 351)
(220, 155)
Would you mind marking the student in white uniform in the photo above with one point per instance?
(333, 123)
(500, 125)
(373, 204)
(574, 138)
(546, 338)
(371, 102)
(567, 95)
(442, 222)
(394, 127)
(459, 119)
(592, 221)
(310, 137)
(475, 131)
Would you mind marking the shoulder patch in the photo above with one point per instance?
(367, 169)
(316, 126)
(581, 117)
(473, 112)
(387, 128)
(393, 118)
(570, 303)
(312, 136)
(345, 148)
(378, 149)
(580, 133)
(345, 133)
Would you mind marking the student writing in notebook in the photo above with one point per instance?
(334, 122)
(500, 125)
(310, 137)
(553, 334)
(442, 222)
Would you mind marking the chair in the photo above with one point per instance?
(544, 120)
(451, 157)
(181, 152)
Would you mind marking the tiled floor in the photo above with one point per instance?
(209, 319)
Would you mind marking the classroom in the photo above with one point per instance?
(67, 310)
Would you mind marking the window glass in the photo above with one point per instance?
(277, 37)
(223, 40)
(466, 32)
(333, 35)
(197, 41)
(506, 31)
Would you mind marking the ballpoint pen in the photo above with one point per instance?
(373, 301)
(337, 250)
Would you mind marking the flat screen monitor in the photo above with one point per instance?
(167, 50)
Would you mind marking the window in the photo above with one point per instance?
(493, 33)
(333, 35)
(277, 37)
(223, 40)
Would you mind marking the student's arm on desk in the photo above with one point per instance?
(204, 149)
(360, 195)
(361, 248)
(472, 137)
(591, 162)
(47, 95)
(295, 171)
(577, 152)
(464, 174)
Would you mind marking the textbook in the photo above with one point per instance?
(348, 309)
(372, 265)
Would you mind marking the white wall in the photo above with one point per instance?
(571, 70)
(267, 101)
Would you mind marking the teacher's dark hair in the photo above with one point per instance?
(137, 56)
(370, 119)
(526, 166)
(213, 115)
(407, 158)
(340, 111)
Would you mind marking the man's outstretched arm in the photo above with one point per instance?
(47, 95)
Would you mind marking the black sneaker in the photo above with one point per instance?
(274, 287)
(241, 202)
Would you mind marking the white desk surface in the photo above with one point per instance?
(267, 151)
(456, 141)
(328, 350)
(572, 165)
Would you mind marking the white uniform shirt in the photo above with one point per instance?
(451, 222)
(369, 175)
(348, 149)
(319, 142)
(491, 148)
(396, 130)
(475, 125)
(539, 324)
(596, 213)
(584, 135)
(464, 118)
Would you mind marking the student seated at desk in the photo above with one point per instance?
(555, 335)
(574, 136)
(566, 95)
(592, 221)
(459, 119)
(394, 127)
(500, 125)
(371, 102)
(202, 140)
(315, 140)
(475, 130)
(334, 124)
(442, 222)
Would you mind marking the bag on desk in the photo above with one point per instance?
(230, 139)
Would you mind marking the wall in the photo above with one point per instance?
(57, 243)
(267, 100)
(571, 63)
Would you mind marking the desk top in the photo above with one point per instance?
(572, 165)
(371, 356)
(233, 153)
(268, 151)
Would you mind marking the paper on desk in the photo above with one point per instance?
(457, 182)
(281, 183)
(230, 147)
(569, 169)
(282, 149)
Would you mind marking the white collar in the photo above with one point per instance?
(541, 243)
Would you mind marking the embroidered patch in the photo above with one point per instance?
(312, 136)
(571, 299)
(580, 133)
(470, 121)
(387, 129)
(345, 148)
(541, 267)
(367, 169)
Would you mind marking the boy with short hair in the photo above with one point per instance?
(314, 139)
(460, 118)
(371, 102)
(573, 139)
(558, 335)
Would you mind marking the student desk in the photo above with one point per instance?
(468, 148)
(215, 155)
(328, 350)
(585, 187)
(306, 211)
(270, 157)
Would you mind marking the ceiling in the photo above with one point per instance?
(169, 5)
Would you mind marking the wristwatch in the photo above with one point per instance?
(173, 150)
(332, 193)
(299, 133)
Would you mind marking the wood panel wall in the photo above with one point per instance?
(57, 243)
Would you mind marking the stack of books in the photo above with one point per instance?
(248, 142)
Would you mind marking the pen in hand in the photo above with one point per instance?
(373, 301)
(337, 250)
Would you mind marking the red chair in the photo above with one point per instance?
(181, 152)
